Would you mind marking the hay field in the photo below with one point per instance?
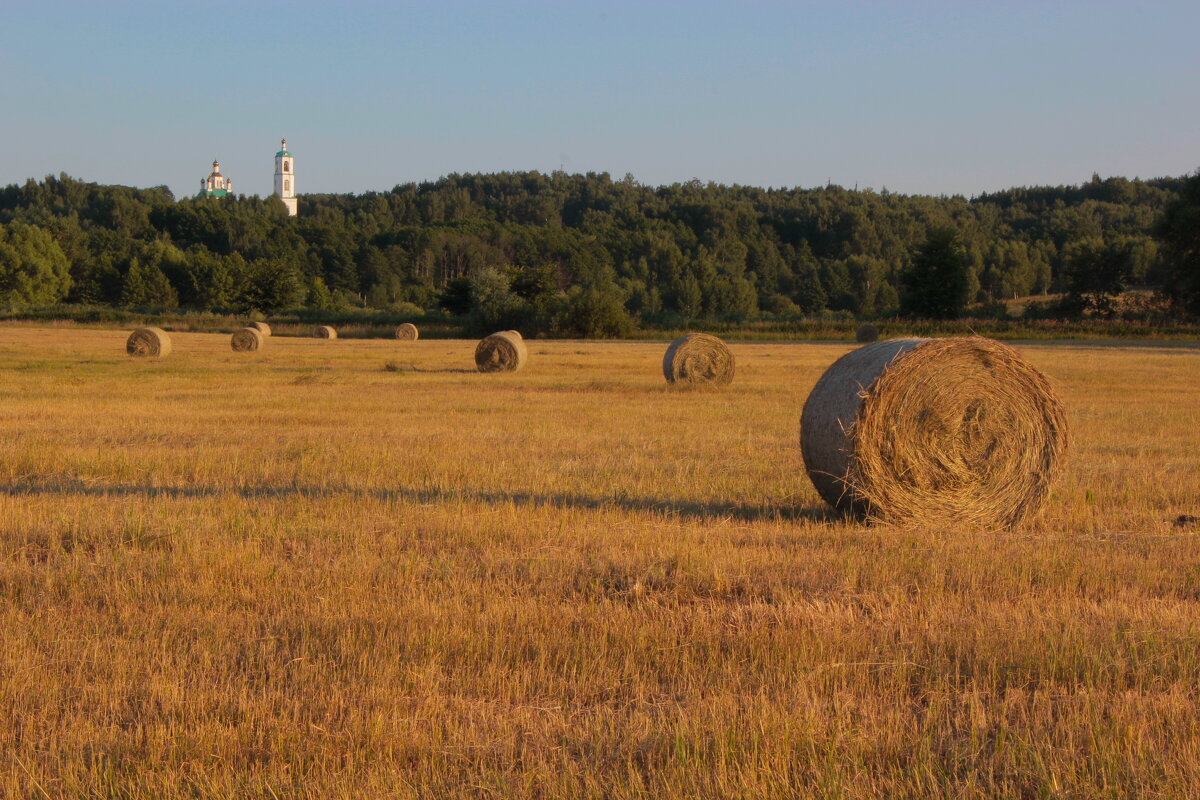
(361, 569)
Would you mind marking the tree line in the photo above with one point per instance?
(590, 255)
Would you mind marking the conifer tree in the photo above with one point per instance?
(937, 283)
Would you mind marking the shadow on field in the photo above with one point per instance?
(395, 367)
(682, 508)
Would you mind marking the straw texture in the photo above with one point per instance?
(261, 327)
(324, 332)
(957, 430)
(698, 358)
(247, 340)
(148, 342)
(407, 332)
(501, 352)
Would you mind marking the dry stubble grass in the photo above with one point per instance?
(355, 569)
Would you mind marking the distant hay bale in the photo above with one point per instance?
(148, 342)
(866, 333)
(247, 340)
(698, 358)
(261, 327)
(957, 430)
(407, 332)
(501, 352)
(324, 332)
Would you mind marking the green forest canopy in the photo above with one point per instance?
(692, 250)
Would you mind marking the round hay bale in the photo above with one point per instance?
(324, 332)
(501, 352)
(697, 358)
(407, 332)
(261, 327)
(148, 342)
(957, 430)
(866, 333)
(247, 340)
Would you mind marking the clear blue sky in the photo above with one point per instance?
(922, 97)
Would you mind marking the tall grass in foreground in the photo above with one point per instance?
(300, 574)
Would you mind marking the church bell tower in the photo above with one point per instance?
(285, 178)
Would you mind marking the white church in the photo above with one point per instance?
(217, 185)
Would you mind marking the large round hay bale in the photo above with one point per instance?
(148, 342)
(501, 352)
(920, 430)
(324, 332)
(247, 340)
(698, 358)
(261, 327)
(407, 332)
(866, 333)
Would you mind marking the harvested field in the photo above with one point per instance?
(340, 572)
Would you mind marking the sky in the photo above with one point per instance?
(955, 97)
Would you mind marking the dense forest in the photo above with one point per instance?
(589, 255)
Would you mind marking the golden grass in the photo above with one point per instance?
(273, 579)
